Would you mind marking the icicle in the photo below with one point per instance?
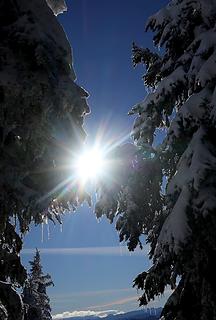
(48, 231)
(42, 232)
(61, 227)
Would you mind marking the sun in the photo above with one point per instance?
(90, 165)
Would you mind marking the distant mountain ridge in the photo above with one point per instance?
(149, 314)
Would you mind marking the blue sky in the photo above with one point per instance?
(95, 272)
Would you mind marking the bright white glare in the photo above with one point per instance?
(90, 165)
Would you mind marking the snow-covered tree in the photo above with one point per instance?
(35, 297)
(41, 117)
(170, 192)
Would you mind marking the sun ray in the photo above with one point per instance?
(61, 185)
(87, 167)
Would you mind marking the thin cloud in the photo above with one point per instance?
(116, 302)
(97, 251)
(93, 293)
(158, 302)
(72, 314)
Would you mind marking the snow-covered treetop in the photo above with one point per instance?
(187, 37)
(34, 294)
(57, 6)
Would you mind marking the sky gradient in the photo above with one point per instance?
(91, 271)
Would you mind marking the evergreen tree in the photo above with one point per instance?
(40, 106)
(34, 292)
(169, 194)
